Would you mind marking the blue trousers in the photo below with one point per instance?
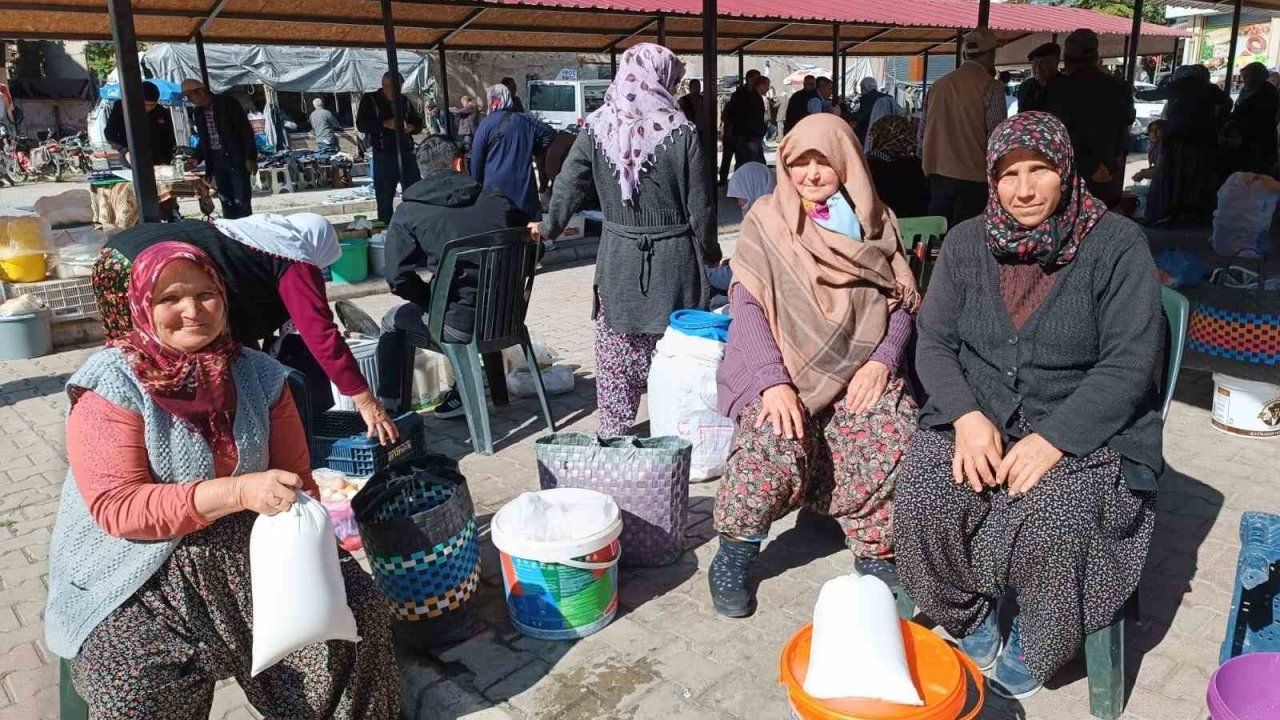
(386, 174)
(234, 190)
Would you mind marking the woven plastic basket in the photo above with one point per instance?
(647, 477)
(419, 532)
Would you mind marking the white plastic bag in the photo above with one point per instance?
(857, 649)
(1243, 218)
(513, 357)
(72, 207)
(299, 597)
(682, 400)
(558, 516)
(557, 379)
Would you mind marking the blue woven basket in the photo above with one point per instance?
(419, 531)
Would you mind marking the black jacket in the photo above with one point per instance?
(159, 133)
(862, 117)
(1097, 108)
(442, 207)
(376, 109)
(797, 108)
(234, 132)
(745, 113)
(1256, 113)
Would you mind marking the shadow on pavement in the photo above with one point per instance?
(15, 391)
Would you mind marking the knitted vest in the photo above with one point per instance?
(955, 132)
(92, 573)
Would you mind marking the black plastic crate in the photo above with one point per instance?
(339, 442)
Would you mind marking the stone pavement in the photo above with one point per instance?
(667, 655)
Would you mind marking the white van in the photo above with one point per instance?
(564, 103)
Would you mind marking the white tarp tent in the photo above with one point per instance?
(288, 69)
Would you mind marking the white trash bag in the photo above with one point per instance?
(299, 597)
(857, 649)
(1243, 218)
(557, 380)
(682, 400)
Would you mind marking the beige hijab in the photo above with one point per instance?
(826, 296)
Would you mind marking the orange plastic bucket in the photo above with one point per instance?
(942, 675)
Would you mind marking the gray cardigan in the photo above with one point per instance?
(1081, 367)
(652, 250)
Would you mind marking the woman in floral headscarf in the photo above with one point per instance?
(641, 157)
(1035, 463)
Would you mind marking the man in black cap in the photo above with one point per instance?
(1097, 108)
(159, 135)
(1044, 70)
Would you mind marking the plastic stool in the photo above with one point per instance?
(275, 180)
(1254, 624)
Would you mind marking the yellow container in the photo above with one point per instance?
(23, 243)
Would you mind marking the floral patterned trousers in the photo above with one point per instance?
(622, 375)
(844, 467)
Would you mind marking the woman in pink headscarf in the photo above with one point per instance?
(641, 157)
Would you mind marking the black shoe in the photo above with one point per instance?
(356, 320)
(885, 570)
(451, 406)
(728, 576)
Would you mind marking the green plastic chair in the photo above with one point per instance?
(504, 262)
(921, 238)
(70, 705)
(1104, 648)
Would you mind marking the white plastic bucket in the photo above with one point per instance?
(560, 590)
(1246, 407)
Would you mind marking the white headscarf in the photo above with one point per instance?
(305, 237)
(751, 182)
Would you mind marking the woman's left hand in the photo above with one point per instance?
(1026, 462)
(867, 386)
(379, 422)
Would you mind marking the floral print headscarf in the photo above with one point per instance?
(893, 137)
(195, 387)
(1055, 241)
(499, 98)
(639, 112)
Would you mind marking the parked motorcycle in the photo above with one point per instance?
(11, 165)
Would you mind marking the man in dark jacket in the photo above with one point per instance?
(159, 128)
(442, 207)
(376, 118)
(869, 95)
(1044, 70)
(1255, 113)
(227, 147)
(798, 105)
(750, 123)
(727, 132)
(1097, 108)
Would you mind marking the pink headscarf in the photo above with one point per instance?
(639, 112)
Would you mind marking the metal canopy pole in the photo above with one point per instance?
(393, 67)
(662, 30)
(1231, 49)
(135, 115)
(204, 64)
(613, 61)
(710, 51)
(844, 72)
(742, 67)
(984, 12)
(924, 80)
(835, 54)
(959, 46)
(444, 88)
(1131, 44)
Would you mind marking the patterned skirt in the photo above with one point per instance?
(1071, 549)
(844, 467)
(159, 655)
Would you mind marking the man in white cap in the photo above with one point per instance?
(869, 96)
(227, 146)
(963, 108)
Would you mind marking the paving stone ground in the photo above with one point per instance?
(667, 655)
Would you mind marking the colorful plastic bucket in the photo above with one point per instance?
(353, 266)
(560, 591)
(950, 684)
(1245, 688)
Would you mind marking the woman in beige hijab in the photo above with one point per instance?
(822, 302)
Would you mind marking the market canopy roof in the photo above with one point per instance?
(291, 69)
(757, 27)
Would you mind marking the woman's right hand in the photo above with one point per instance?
(535, 231)
(781, 406)
(979, 448)
(268, 492)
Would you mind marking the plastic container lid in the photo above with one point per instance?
(554, 552)
(354, 243)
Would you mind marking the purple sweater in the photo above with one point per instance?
(753, 363)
